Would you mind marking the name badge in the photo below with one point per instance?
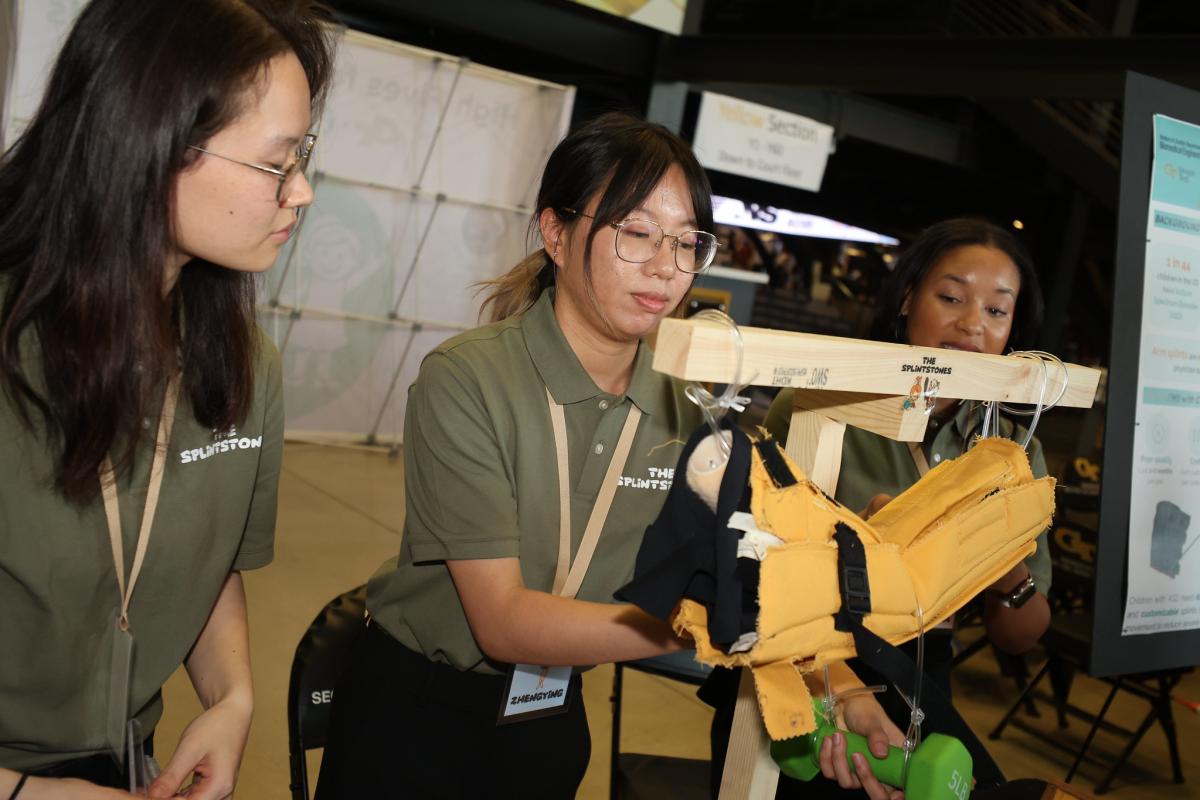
(535, 692)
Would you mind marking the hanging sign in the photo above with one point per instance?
(761, 142)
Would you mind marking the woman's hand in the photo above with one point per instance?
(210, 752)
(877, 502)
(864, 716)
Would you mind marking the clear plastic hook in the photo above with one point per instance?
(912, 737)
(714, 407)
(992, 409)
(1042, 358)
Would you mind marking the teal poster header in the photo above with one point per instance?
(1176, 163)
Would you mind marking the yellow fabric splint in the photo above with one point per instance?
(928, 552)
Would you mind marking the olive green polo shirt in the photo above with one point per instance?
(481, 478)
(873, 464)
(58, 587)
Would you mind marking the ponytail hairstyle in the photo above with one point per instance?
(86, 208)
(616, 155)
(891, 325)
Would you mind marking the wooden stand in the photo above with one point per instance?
(884, 388)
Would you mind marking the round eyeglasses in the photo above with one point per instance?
(638, 241)
(287, 177)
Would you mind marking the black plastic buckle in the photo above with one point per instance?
(856, 592)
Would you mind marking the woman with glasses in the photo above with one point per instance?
(546, 426)
(537, 449)
(141, 415)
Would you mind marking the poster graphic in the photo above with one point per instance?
(1164, 568)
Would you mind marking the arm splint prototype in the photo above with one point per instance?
(927, 553)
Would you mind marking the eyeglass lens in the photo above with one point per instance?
(298, 168)
(638, 241)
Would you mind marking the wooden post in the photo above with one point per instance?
(815, 444)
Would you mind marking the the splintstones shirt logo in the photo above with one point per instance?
(225, 442)
(659, 478)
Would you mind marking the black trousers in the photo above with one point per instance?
(720, 691)
(404, 726)
(99, 769)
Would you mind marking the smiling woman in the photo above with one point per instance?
(164, 165)
(963, 284)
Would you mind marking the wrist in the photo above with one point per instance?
(1011, 580)
(1022, 593)
(239, 700)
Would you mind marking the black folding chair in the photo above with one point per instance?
(639, 769)
(320, 659)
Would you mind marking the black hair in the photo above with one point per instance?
(86, 210)
(935, 242)
(619, 155)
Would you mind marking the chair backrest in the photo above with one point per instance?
(321, 657)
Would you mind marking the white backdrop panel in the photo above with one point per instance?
(372, 248)
(41, 26)
(337, 373)
(355, 253)
(383, 113)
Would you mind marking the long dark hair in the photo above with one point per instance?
(620, 154)
(938, 240)
(86, 205)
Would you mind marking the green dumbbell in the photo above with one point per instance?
(939, 769)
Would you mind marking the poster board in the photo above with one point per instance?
(1147, 604)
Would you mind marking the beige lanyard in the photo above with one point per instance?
(108, 487)
(569, 576)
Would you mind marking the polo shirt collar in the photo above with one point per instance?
(647, 389)
(566, 378)
(969, 417)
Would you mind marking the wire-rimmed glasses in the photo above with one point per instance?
(638, 240)
(287, 177)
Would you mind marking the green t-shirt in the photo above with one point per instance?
(481, 479)
(58, 587)
(873, 464)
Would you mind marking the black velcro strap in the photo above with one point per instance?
(852, 579)
(777, 468)
(891, 662)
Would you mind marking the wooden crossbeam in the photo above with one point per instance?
(702, 350)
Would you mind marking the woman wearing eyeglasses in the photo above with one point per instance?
(537, 449)
(141, 415)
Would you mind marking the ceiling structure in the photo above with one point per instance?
(1009, 109)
